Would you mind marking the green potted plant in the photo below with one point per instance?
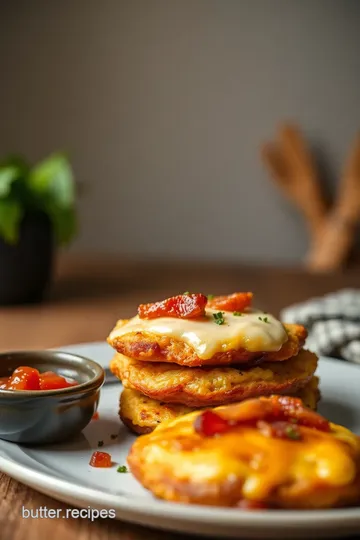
(37, 213)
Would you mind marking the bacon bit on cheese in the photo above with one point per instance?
(183, 306)
(232, 302)
(276, 416)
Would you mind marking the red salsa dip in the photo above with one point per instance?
(28, 378)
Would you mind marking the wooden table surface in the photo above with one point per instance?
(87, 297)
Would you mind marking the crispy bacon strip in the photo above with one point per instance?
(183, 306)
(232, 302)
(276, 416)
(294, 408)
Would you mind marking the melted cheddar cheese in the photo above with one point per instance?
(311, 472)
(253, 330)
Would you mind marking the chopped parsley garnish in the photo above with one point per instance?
(186, 293)
(238, 313)
(122, 468)
(210, 296)
(264, 319)
(100, 444)
(219, 317)
(292, 433)
(113, 436)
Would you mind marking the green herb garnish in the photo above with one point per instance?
(186, 293)
(238, 313)
(113, 436)
(210, 296)
(292, 433)
(219, 317)
(264, 319)
(293, 420)
(122, 468)
(100, 444)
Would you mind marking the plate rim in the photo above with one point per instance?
(64, 490)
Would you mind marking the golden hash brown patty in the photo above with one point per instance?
(150, 347)
(142, 414)
(201, 387)
(310, 394)
(321, 469)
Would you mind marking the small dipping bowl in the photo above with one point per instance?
(49, 416)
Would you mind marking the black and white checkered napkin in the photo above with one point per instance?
(333, 322)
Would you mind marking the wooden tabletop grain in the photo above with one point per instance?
(87, 297)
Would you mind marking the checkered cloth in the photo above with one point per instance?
(333, 322)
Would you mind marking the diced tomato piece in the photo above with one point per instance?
(100, 459)
(53, 381)
(245, 504)
(24, 378)
(233, 302)
(183, 306)
(95, 416)
(209, 424)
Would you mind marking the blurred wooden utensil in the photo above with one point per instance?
(292, 168)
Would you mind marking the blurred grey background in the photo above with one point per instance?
(162, 105)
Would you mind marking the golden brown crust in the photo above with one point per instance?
(321, 470)
(155, 348)
(310, 395)
(202, 387)
(138, 430)
(142, 414)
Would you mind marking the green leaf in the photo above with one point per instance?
(11, 214)
(64, 223)
(8, 175)
(16, 161)
(53, 178)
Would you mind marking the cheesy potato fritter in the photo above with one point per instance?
(319, 468)
(201, 387)
(142, 414)
(217, 338)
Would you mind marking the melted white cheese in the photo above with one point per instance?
(254, 331)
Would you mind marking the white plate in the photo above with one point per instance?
(62, 471)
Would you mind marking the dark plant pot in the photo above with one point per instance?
(26, 268)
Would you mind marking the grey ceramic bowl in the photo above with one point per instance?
(49, 416)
